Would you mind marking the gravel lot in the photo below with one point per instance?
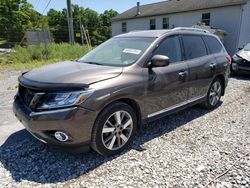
(187, 149)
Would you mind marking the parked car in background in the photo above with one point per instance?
(101, 99)
(241, 61)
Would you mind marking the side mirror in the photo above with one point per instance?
(159, 61)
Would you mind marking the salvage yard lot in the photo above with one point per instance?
(187, 149)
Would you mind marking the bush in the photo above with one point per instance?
(52, 52)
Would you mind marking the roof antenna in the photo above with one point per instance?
(138, 9)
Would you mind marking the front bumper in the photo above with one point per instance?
(240, 69)
(76, 122)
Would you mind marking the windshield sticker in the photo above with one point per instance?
(131, 51)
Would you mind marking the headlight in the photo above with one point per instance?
(64, 99)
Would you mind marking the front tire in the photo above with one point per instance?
(214, 94)
(114, 129)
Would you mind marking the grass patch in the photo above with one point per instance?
(36, 56)
(3, 42)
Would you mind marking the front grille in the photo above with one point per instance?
(26, 94)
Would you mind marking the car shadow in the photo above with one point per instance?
(241, 76)
(25, 158)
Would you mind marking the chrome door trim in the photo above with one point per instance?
(175, 106)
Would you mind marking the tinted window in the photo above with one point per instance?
(194, 47)
(206, 18)
(170, 47)
(124, 27)
(152, 24)
(213, 45)
(165, 23)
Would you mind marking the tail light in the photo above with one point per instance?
(229, 59)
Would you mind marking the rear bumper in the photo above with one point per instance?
(76, 122)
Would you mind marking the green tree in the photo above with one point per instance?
(106, 28)
(98, 25)
(57, 21)
(89, 19)
(17, 16)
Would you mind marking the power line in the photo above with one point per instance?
(46, 6)
(38, 4)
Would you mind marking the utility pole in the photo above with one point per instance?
(70, 22)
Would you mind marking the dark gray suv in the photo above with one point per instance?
(101, 99)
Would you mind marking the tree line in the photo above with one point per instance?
(18, 16)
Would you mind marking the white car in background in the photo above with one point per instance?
(241, 61)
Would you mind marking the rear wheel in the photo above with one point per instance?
(214, 94)
(114, 129)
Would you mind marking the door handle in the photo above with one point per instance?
(212, 66)
(182, 75)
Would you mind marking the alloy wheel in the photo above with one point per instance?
(215, 93)
(117, 130)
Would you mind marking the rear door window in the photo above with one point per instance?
(194, 46)
(213, 44)
(170, 47)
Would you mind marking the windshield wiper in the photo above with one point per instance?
(92, 63)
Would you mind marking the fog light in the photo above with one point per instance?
(61, 136)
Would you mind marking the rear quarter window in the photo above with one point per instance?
(194, 46)
(213, 44)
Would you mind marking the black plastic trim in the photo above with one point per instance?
(44, 86)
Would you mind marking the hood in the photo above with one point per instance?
(244, 54)
(72, 73)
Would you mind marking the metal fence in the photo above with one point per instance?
(38, 37)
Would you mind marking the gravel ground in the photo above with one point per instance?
(8, 88)
(187, 149)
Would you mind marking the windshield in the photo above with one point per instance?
(247, 47)
(118, 51)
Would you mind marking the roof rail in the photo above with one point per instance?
(190, 29)
(134, 31)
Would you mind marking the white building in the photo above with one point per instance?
(233, 16)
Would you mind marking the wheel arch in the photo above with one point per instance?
(132, 103)
(135, 106)
(222, 78)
